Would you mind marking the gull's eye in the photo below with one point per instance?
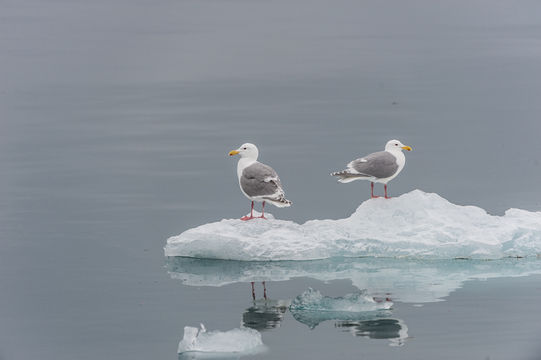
(396, 144)
(244, 148)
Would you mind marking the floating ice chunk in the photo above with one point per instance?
(312, 308)
(238, 341)
(416, 224)
(408, 280)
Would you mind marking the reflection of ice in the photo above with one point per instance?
(416, 224)
(264, 314)
(238, 341)
(407, 280)
(359, 313)
(312, 308)
(313, 300)
(393, 329)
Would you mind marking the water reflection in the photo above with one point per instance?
(264, 290)
(363, 314)
(359, 312)
(209, 355)
(413, 281)
(394, 330)
(265, 314)
(312, 318)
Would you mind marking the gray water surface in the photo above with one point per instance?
(117, 116)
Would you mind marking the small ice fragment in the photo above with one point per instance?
(239, 341)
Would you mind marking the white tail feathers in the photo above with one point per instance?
(280, 201)
(345, 176)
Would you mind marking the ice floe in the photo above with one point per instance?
(238, 341)
(408, 280)
(415, 225)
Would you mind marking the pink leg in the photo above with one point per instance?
(372, 191)
(253, 291)
(385, 187)
(264, 290)
(244, 218)
(263, 211)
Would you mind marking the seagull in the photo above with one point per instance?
(381, 166)
(258, 182)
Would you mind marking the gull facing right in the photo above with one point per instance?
(381, 166)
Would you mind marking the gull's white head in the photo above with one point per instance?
(395, 145)
(247, 150)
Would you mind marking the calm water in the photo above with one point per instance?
(116, 119)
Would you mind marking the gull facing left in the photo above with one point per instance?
(258, 182)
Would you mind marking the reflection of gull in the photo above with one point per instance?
(382, 166)
(414, 281)
(258, 182)
(393, 329)
(265, 314)
(264, 290)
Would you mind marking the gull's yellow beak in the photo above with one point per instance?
(233, 152)
(403, 147)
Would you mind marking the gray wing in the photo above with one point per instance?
(381, 164)
(260, 180)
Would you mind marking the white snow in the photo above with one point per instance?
(239, 341)
(416, 224)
